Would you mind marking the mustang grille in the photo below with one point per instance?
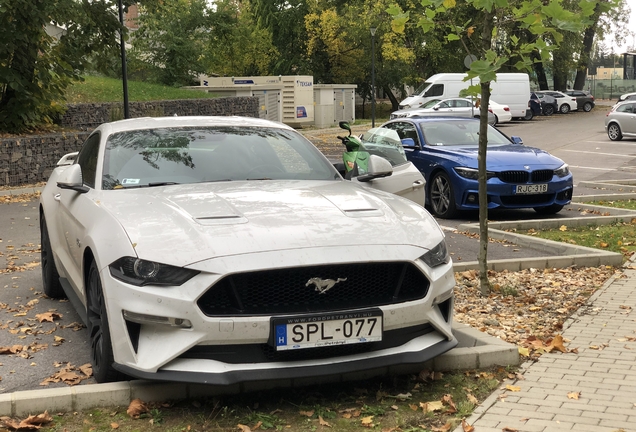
(285, 291)
(525, 176)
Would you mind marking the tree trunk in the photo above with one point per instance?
(586, 51)
(540, 71)
(394, 102)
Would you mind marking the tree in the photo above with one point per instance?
(35, 67)
(490, 23)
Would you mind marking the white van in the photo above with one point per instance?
(512, 89)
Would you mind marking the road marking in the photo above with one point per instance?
(593, 168)
(612, 142)
(597, 153)
(447, 228)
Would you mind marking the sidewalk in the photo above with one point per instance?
(592, 390)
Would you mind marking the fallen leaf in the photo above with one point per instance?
(136, 408)
(322, 422)
(48, 316)
(513, 388)
(509, 429)
(431, 406)
(114, 426)
(472, 399)
(444, 428)
(466, 427)
(307, 413)
(574, 395)
(367, 421)
(244, 428)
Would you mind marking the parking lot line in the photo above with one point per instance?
(592, 168)
(632, 143)
(597, 153)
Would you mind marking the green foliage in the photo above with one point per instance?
(35, 67)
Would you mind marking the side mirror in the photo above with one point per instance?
(345, 125)
(409, 143)
(436, 108)
(71, 178)
(516, 140)
(67, 159)
(377, 167)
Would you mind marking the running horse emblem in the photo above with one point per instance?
(323, 285)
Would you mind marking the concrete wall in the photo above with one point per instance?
(29, 159)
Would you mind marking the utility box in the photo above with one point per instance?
(334, 103)
(296, 93)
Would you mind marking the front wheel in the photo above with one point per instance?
(99, 333)
(587, 106)
(442, 197)
(548, 110)
(548, 210)
(564, 109)
(50, 278)
(614, 132)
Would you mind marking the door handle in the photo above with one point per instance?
(418, 184)
(57, 197)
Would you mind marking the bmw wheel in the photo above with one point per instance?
(564, 109)
(50, 277)
(442, 197)
(548, 110)
(548, 210)
(98, 331)
(587, 106)
(614, 132)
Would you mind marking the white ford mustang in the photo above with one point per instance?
(226, 249)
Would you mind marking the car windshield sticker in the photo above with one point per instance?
(130, 181)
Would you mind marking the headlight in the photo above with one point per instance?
(436, 256)
(562, 171)
(140, 272)
(472, 173)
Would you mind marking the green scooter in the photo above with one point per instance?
(356, 158)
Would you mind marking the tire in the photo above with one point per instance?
(529, 115)
(496, 120)
(614, 132)
(551, 209)
(564, 109)
(548, 110)
(102, 356)
(50, 277)
(587, 106)
(442, 197)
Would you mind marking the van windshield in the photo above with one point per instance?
(422, 88)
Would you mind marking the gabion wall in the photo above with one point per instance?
(30, 159)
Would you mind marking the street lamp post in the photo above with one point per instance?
(124, 73)
(373, 29)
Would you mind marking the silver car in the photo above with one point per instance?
(621, 120)
(451, 107)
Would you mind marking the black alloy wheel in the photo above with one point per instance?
(548, 110)
(442, 196)
(50, 278)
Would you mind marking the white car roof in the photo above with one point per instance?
(185, 121)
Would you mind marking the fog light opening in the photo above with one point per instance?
(472, 198)
(153, 319)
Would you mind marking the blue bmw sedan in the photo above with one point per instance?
(445, 151)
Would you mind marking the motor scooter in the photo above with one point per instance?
(355, 158)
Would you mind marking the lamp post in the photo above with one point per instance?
(373, 29)
(124, 73)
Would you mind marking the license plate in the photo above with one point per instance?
(531, 189)
(311, 331)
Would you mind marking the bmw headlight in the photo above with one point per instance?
(140, 272)
(436, 256)
(562, 171)
(472, 173)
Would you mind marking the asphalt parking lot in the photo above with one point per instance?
(578, 138)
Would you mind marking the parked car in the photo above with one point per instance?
(549, 103)
(627, 96)
(226, 249)
(621, 120)
(451, 107)
(584, 99)
(502, 112)
(445, 150)
(566, 103)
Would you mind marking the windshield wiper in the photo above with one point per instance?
(167, 183)
(264, 178)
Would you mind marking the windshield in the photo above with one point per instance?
(386, 143)
(459, 133)
(422, 88)
(155, 157)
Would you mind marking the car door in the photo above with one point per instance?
(406, 180)
(74, 213)
(626, 114)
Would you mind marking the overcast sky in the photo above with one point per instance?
(630, 41)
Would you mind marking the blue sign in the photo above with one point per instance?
(301, 112)
(281, 335)
(245, 81)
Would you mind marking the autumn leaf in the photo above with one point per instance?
(367, 421)
(470, 31)
(431, 406)
(513, 388)
(472, 399)
(48, 316)
(574, 395)
(322, 422)
(244, 428)
(448, 400)
(557, 343)
(136, 408)
(524, 351)
(444, 428)
(86, 369)
(509, 429)
(466, 427)
(114, 426)
(307, 413)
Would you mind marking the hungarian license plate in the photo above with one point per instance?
(531, 189)
(341, 328)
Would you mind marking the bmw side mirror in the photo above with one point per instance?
(516, 140)
(71, 178)
(409, 143)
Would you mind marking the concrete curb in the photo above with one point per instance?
(475, 350)
(20, 191)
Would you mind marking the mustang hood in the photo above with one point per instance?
(506, 157)
(190, 223)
